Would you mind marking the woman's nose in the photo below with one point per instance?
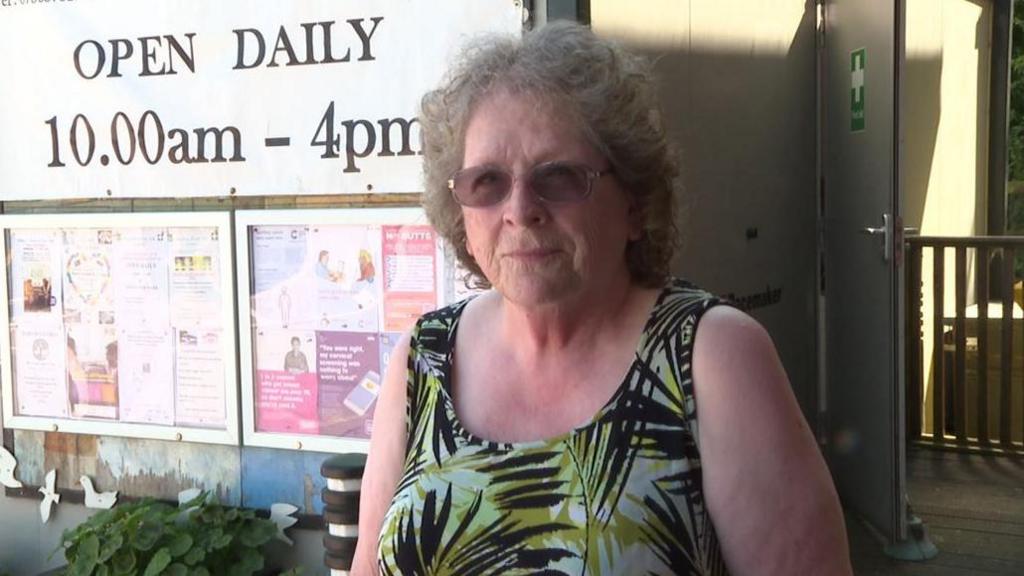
(523, 207)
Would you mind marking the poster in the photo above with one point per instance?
(195, 286)
(283, 295)
(286, 382)
(199, 369)
(410, 275)
(342, 263)
(140, 273)
(87, 280)
(41, 381)
(92, 362)
(349, 367)
(35, 275)
(145, 375)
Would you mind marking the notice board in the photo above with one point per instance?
(328, 294)
(119, 324)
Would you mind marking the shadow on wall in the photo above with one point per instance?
(744, 121)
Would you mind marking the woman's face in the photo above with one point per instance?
(532, 251)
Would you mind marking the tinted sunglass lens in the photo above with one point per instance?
(560, 182)
(481, 186)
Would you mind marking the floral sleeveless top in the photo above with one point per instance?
(619, 495)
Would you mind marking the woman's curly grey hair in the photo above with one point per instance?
(609, 91)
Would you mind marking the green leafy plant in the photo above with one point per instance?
(150, 537)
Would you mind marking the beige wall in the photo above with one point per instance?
(738, 90)
(946, 148)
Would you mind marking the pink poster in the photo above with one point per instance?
(348, 364)
(286, 382)
(286, 402)
(410, 275)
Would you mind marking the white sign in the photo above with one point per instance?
(123, 98)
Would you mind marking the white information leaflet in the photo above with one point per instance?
(195, 287)
(199, 375)
(140, 270)
(42, 386)
(146, 376)
(284, 297)
(163, 94)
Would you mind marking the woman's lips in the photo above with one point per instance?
(531, 253)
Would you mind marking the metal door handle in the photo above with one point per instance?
(885, 232)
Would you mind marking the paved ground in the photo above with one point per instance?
(973, 508)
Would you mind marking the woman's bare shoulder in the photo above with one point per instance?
(759, 457)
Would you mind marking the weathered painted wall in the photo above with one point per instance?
(250, 477)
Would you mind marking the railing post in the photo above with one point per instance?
(939, 345)
(1006, 361)
(960, 335)
(981, 270)
(914, 314)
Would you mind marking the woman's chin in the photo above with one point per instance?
(537, 289)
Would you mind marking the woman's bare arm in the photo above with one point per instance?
(385, 460)
(768, 490)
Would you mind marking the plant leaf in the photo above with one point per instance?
(195, 556)
(124, 561)
(257, 533)
(110, 546)
(88, 553)
(222, 541)
(181, 544)
(250, 562)
(176, 569)
(160, 561)
(147, 536)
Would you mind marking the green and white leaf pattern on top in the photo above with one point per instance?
(620, 495)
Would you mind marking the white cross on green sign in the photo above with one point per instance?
(857, 60)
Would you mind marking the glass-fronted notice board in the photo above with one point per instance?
(120, 324)
(328, 294)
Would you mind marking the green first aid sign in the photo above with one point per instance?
(857, 61)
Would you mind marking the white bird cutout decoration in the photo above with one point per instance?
(7, 465)
(50, 496)
(186, 496)
(281, 514)
(93, 499)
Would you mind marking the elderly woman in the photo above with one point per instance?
(588, 414)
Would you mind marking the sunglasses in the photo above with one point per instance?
(555, 182)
